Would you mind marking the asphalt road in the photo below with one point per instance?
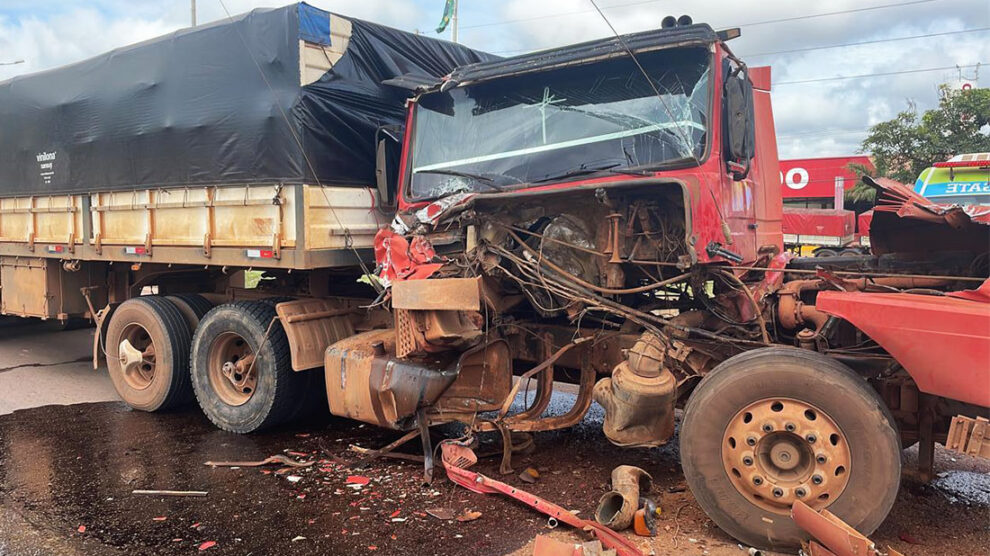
(67, 472)
(41, 365)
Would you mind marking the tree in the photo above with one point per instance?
(904, 146)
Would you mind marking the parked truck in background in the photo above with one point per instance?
(962, 180)
(607, 213)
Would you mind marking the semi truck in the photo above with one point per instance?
(437, 229)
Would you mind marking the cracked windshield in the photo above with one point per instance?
(563, 123)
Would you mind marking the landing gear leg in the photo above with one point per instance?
(424, 434)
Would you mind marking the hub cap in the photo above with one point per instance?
(778, 450)
(232, 372)
(137, 356)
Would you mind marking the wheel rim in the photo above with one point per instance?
(232, 372)
(137, 355)
(779, 450)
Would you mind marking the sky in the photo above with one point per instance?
(816, 114)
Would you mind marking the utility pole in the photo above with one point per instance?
(453, 22)
(192, 9)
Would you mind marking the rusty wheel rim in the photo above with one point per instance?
(232, 373)
(137, 355)
(779, 450)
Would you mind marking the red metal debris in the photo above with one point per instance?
(401, 260)
(909, 325)
(357, 480)
(457, 457)
(836, 536)
(546, 546)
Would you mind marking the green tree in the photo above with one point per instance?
(904, 146)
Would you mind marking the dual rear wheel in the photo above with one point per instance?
(234, 359)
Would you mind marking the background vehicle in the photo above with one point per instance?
(609, 208)
(962, 180)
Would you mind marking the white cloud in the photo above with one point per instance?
(813, 119)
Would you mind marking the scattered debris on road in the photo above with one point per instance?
(284, 460)
(191, 493)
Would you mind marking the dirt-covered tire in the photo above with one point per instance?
(247, 397)
(153, 374)
(814, 406)
(192, 306)
(826, 253)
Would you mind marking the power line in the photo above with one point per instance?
(752, 24)
(877, 41)
(865, 75)
(840, 12)
(827, 46)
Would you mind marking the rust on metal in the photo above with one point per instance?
(780, 451)
(617, 507)
(367, 383)
(969, 436)
(442, 294)
(837, 538)
(313, 324)
(230, 369)
(639, 396)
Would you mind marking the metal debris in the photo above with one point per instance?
(285, 460)
(468, 515)
(191, 493)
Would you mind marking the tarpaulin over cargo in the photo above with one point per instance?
(818, 222)
(217, 104)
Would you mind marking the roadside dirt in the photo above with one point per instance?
(67, 472)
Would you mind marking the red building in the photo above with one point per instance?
(813, 182)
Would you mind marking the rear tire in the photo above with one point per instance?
(733, 465)
(153, 374)
(244, 397)
(826, 253)
(192, 306)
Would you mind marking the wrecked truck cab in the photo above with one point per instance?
(609, 214)
(585, 116)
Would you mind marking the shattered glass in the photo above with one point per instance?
(531, 127)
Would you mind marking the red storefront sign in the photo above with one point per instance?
(817, 178)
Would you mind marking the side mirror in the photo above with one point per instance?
(740, 125)
(388, 141)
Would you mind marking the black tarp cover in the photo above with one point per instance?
(192, 108)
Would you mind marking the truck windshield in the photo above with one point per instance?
(563, 122)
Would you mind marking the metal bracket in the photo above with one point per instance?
(207, 245)
(277, 246)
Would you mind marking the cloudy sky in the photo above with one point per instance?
(816, 114)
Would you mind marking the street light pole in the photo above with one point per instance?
(453, 22)
(192, 9)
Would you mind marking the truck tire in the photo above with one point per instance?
(313, 394)
(239, 395)
(192, 306)
(147, 344)
(825, 252)
(777, 424)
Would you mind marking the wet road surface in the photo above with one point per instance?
(67, 472)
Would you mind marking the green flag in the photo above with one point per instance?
(448, 11)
